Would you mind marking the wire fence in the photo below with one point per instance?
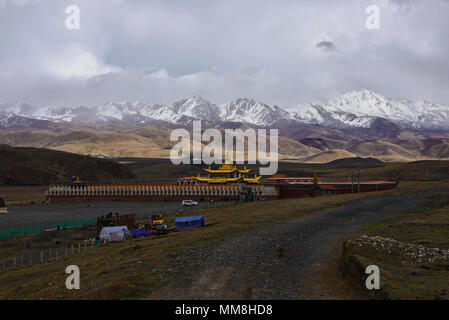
(30, 257)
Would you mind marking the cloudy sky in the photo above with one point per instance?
(281, 52)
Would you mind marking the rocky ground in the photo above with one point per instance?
(407, 252)
(282, 261)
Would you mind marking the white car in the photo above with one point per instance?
(189, 203)
(4, 210)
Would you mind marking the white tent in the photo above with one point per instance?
(118, 233)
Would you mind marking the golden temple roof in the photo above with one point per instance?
(226, 173)
(227, 168)
(217, 180)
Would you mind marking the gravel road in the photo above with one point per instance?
(279, 261)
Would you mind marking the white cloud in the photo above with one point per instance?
(223, 49)
(19, 3)
(74, 61)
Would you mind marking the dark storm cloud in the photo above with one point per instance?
(223, 49)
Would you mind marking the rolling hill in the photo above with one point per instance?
(33, 166)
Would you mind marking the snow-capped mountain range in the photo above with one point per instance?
(352, 109)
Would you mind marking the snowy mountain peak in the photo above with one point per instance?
(250, 111)
(363, 94)
(352, 109)
(197, 108)
(360, 108)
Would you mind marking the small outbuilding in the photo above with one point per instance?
(186, 223)
(118, 233)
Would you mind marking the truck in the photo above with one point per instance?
(157, 220)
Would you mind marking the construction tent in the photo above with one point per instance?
(186, 223)
(118, 233)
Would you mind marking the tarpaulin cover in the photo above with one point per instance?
(186, 223)
(113, 229)
(140, 233)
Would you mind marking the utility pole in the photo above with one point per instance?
(358, 180)
(352, 181)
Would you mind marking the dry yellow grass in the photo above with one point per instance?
(328, 156)
(23, 195)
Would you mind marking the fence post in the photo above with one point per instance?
(92, 244)
(56, 254)
(79, 247)
(85, 245)
(65, 251)
(31, 259)
(72, 249)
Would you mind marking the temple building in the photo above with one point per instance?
(226, 183)
(226, 173)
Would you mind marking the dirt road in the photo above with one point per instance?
(280, 261)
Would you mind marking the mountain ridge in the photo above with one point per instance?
(355, 109)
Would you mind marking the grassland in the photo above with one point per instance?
(163, 171)
(416, 278)
(24, 195)
(131, 269)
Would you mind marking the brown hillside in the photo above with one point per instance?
(154, 142)
(328, 156)
(32, 166)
